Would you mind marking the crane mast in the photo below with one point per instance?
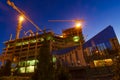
(20, 24)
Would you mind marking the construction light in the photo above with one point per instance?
(78, 25)
(21, 18)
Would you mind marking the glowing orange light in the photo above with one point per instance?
(21, 18)
(78, 25)
(61, 36)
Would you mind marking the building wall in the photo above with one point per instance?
(73, 34)
(74, 57)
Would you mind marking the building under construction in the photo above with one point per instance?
(75, 34)
(24, 51)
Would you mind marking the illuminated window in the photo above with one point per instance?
(22, 63)
(30, 62)
(18, 44)
(108, 62)
(54, 59)
(41, 39)
(49, 38)
(99, 63)
(29, 69)
(8, 45)
(33, 41)
(22, 43)
(76, 38)
(22, 70)
(26, 42)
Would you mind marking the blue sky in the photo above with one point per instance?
(98, 14)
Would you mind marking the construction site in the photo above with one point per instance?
(23, 51)
(87, 59)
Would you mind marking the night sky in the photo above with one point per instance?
(97, 14)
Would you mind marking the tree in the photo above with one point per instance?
(16, 70)
(1, 71)
(62, 72)
(6, 69)
(45, 69)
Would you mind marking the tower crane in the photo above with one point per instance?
(21, 13)
(78, 26)
(29, 31)
(66, 20)
(77, 22)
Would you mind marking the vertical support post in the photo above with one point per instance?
(19, 26)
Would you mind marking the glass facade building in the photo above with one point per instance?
(101, 48)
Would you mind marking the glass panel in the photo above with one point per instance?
(54, 59)
(108, 62)
(26, 42)
(30, 62)
(99, 63)
(41, 39)
(22, 63)
(22, 70)
(76, 38)
(29, 69)
(105, 62)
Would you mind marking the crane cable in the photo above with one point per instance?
(19, 11)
